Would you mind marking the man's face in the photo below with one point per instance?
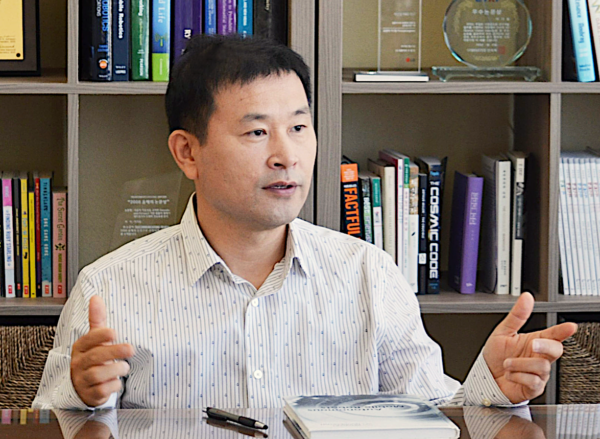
(256, 164)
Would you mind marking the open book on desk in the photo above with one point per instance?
(354, 416)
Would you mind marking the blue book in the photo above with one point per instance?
(187, 22)
(210, 17)
(161, 39)
(582, 40)
(46, 233)
(121, 24)
(244, 21)
(464, 232)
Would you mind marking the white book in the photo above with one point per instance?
(8, 235)
(360, 416)
(591, 222)
(571, 189)
(565, 241)
(413, 228)
(594, 16)
(377, 209)
(577, 169)
(403, 204)
(496, 224)
(388, 202)
(517, 159)
(581, 273)
(595, 173)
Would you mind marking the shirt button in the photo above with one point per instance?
(258, 374)
(486, 402)
(254, 303)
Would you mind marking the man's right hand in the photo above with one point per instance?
(96, 365)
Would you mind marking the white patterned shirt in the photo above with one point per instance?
(335, 316)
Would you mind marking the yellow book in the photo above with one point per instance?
(11, 30)
(25, 233)
(32, 278)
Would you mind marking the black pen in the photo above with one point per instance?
(237, 428)
(224, 416)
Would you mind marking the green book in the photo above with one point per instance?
(140, 40)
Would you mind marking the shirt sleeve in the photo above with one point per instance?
(411, 362)
(56, 389)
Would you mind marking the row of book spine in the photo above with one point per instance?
(579, 223)
(33, 236)
(581, 40)
(139, 40)
(397, 206)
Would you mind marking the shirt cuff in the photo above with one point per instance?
(481, 388)
(66, 397)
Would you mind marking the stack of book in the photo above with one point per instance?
(581, 40)
(578, 223)
(33, 236)
(139, 40)
(397, 206)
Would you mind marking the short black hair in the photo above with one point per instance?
(211, 62)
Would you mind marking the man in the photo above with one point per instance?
(241, 303)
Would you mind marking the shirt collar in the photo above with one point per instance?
(201, 256)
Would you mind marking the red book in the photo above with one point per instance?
(59, 243)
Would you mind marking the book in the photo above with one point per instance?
(564, 235)
(140, 40)
(518, 162)
(226, 17)
(32, 245)
(161, 39)
(495, 250)
(245, 13)
(95, 41)
(582, 41)
(413, 228)
(25, 232)
(594, 16)
(210, 17)
(351, 208)
(2, 278)
(377, 209)
(18, 255)
(359, 416)
(271, 20)
(59, 243)
(435, 169)
(46, 232)
(38, 235)
(121, 24)
(366, 206)
(464, 232)
(8, 235)
(387, 174)
(423, 223)
(401, 163)
(187, 22)
(573, 227)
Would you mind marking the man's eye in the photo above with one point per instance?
(257, 133)
(299, 128)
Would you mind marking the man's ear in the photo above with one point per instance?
(181, 145)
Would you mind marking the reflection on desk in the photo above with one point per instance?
(534, 422)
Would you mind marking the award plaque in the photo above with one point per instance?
(146, 206)
(19, 41)
(488, 36)
(398, 43)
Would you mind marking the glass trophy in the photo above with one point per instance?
(487, 36)
(398, 43)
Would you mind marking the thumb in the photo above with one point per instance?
(97, 313)
(517, 316)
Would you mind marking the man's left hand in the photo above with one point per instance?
(520, 363)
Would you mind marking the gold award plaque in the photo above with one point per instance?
(11, 30)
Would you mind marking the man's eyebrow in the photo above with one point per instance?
(250, 117)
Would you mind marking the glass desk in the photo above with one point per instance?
(531, 422)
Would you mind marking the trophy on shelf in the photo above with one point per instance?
(488, 36)
(398, 44)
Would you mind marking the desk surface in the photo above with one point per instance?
(549, 422)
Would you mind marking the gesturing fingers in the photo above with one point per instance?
(559, 332)
(102, 354)
(533, 383)
(105, 373)
(537, 366)
(550, 349)
(95, 337)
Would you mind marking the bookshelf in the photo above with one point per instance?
(461, 119)
(57, 122)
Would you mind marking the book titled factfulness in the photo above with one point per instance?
(359, 416)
